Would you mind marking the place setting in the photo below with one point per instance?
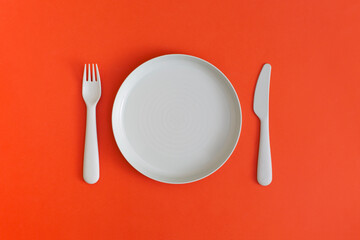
(176, 119)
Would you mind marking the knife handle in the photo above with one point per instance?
(264, 169)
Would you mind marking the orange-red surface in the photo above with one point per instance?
(314, 48)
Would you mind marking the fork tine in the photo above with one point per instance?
(97, 73)
(84, 75)
(93, 73)
(89, 73)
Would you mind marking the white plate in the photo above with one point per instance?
(176, 118)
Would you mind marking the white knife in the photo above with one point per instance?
(261, 109)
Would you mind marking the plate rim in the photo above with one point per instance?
(126, 82)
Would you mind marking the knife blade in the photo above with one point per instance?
(261, 109)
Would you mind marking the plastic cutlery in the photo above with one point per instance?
(261, 109)
(91, 91)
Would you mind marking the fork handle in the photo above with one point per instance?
(91, 152)
(264, 168)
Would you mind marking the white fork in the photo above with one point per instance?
(91, 92)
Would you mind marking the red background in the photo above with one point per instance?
(313, 47)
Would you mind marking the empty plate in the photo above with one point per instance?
(176, 118)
